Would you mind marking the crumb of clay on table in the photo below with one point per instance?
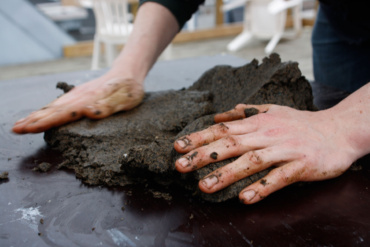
(4, 176)
(42, 167)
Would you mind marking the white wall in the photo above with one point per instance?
(26, 35)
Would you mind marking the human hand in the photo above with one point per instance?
(301, 145)
(96, 99)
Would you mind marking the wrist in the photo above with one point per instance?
(124, 72)
(351, 128)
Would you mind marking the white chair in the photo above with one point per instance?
(113, 27)
(264, 19)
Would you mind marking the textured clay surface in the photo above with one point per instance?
(137, 146)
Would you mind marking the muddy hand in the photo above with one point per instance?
(302, 146)
(96, 99)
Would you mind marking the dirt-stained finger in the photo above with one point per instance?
(215, 132)
(224, 148)
(248, 164)
(241, 111)
(54, 119)
(277, 179)
(98, 100)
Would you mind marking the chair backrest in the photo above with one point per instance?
(261, 21)
(112, 17)
(264, 18)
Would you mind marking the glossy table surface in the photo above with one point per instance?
(329, 213)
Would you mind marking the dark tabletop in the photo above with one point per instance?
(328, 213)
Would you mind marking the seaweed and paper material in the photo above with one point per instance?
(137, 145)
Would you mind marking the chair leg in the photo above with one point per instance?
(166, 54)
(297, 20)
(273, 42)
(96, 55)
(109, 54)
(240, 41)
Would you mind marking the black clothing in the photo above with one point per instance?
(181, 9)
(351, 19)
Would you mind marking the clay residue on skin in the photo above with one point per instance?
(65, 86)
(223, 127)
(214, 155)
(186, 141)
(250, 112)
(137, 146)
(263, 182)
(193, 155)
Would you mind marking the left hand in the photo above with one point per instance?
(302, 145)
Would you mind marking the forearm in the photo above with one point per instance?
(353, 115)
(154, 28)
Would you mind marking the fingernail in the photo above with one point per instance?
(183, 162)
(210, 181)
(249, 194)
(183, 142)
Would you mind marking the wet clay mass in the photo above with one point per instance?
(137, 146)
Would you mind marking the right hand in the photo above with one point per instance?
(96, 99)
(300, 145)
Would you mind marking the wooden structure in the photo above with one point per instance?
(221, 29)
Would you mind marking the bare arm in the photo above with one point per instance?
(154, 29)
(302, 145)
(121, 88)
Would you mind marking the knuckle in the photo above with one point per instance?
(290, 177)
(262, 194)
(263, 117)
(227, 173)
(272, 107)
(221, 128)
(231, 141)
(274, 132)
(294, 143)
(217, 131)
(240, 107)
(254, 157)
(260, 119)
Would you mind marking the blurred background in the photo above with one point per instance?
(53, 36)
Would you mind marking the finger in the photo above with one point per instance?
(215, 132)
(33, 121)
(277, 179)
(241, 111)
(227, 147)
(248, 164)
(34, 117)
(54, 119)
(238, 127)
